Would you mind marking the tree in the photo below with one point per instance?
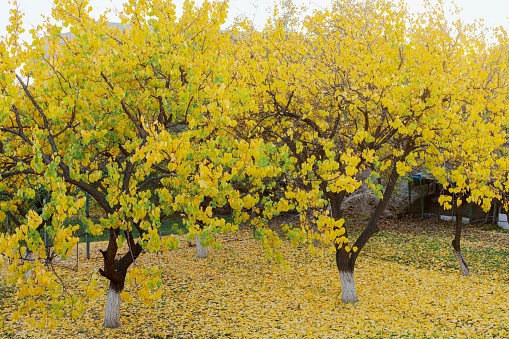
(143, 132)
(356, 94)
(468, 158)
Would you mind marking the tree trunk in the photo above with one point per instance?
(346, 268)
(29, 256)
(456, 245)
(202, 251)
(348, 290)
(462, 263)
(372, 226)
(112, 311)
(345, 261)
(115, 271)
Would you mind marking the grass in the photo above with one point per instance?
(426, 244)
(492, 228)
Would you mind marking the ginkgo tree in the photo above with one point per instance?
(136, 116)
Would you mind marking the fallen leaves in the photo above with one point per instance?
(237, 293)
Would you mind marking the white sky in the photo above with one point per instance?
(494, 12)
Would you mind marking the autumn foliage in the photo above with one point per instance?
(166, 117)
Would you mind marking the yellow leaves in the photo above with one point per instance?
(502, 162)
(308, 165)
(203, 95)
(283, 205)
(64, 241)
(445, 201)
(148, 282)
(180, 199)
(350, 170)
(94, 229)
(344, 183)
(271, 243)
(126, 297)
(360, 136)
(151, 241)
(369, 156)
(92, 291)
(23, 292)
(33, 219)
(249, 201)
(172, 166)
(299, 146)
(459, 202)
(15, 316)
(385, 165)
(350, 159)
(329, 224)
(95, 176)
(197, 296)
(403, 168)
(171, 242)
(235, 204)
(119, 93)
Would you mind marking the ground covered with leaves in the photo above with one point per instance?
(407, 280)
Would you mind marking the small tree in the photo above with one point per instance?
(468, 158)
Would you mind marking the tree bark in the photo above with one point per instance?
(462, 263)
(456, 245)
(115, 271)
(348, 290)
(345, 261)
(372, 226)
(346, 275)
(202, 251)
(344, 264)
(112, 311)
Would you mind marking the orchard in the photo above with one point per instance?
(216, 159)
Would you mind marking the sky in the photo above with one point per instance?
(494, 12)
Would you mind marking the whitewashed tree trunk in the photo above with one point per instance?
(312, 222)
(462, 263)
(112, 311)
(348, 290)
(29, 256)
(201, 251)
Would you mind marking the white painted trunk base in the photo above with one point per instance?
(462, 263)
(112, 311)
(202, 252)
(348, 290)
(29, 256)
